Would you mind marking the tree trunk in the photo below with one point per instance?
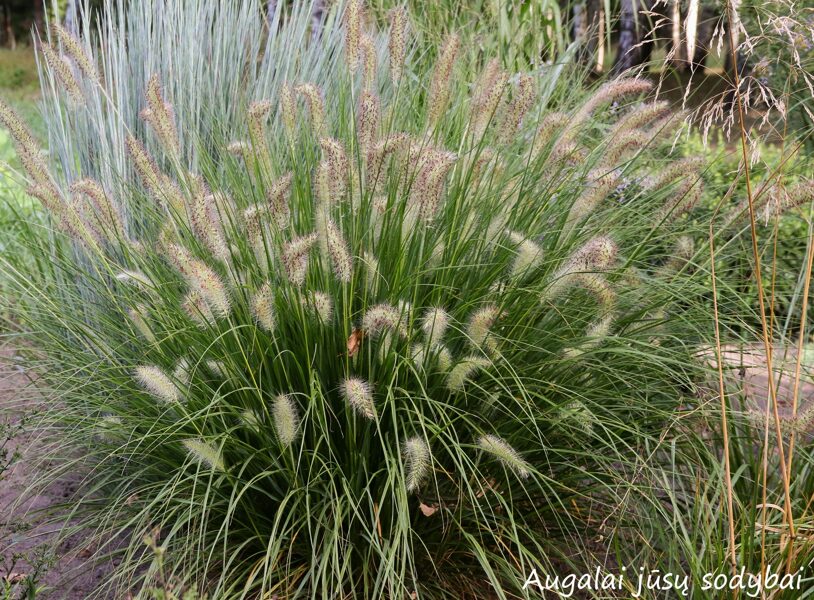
(627, 55)
(11, 40)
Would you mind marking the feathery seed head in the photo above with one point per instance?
(204, 454)
(398, 43)
(136, 315)
(428, 186)
(263, 307)
(197, 309)
(338, 167)
(488, 93)
(338, 251)
(500, 449)
(521, 103)
(353, 33)
(61, 67)
(641, 116)
(288, 111)
(107, 214)
(479, 327)
(316, 108)
(73, 48)
(371, 269)
(286, 419)
(462, 372)
(162, 188)
(417, 462)
(358, 395)
(295, 257)
(529, 255)
(157, 383)
(160, 116)
(278, 195)
(439, 86)
(369, 116)
(257, 116)
(183, 371)
(136, 277)
(444, 358)
(382, 318)
(321, 305)
(434, 325)
(367, 50)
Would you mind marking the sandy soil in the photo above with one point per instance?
(27, 534)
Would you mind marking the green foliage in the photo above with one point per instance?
(316, 332)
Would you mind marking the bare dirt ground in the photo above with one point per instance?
(28, 531)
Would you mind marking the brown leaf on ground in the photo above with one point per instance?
(428, 511)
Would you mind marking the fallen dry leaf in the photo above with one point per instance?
(428, 511)
(355, 342)
(13, 578)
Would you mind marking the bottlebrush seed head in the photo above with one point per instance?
(316, 108)
(529, 255)
(136, 277)
(417, 462)
(160, 115)
(521, 103)
(197, 309)
(204, 454)
(501, 450)
(320, 304)
(107, 214)
(61, 67)
(480, 325)
(183, 371)
(439, 86)
(338, 251)
(464, 371)
(382, 318)
(368, 121)
(371, 269)
(353, 33)
(257, 116)
(73, 48)
(444, 358)
(367, 50)
(20, 134)
(428, 186)
(136, 315)
(488, 93)
(278, 196)
(286, 419)
(263, 307)
(157, 383)
(434, 324)
(295, 258)
(357, 393)
(608, 92)
(641, 116)
(398, 43)
(288, 111)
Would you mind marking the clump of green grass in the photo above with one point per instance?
(401, 334)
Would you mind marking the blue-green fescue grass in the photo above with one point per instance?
(367, 337)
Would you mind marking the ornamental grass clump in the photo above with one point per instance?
(361, 336)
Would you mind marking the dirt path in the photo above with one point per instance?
(28, 556)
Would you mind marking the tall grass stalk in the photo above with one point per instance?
(313, 354)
